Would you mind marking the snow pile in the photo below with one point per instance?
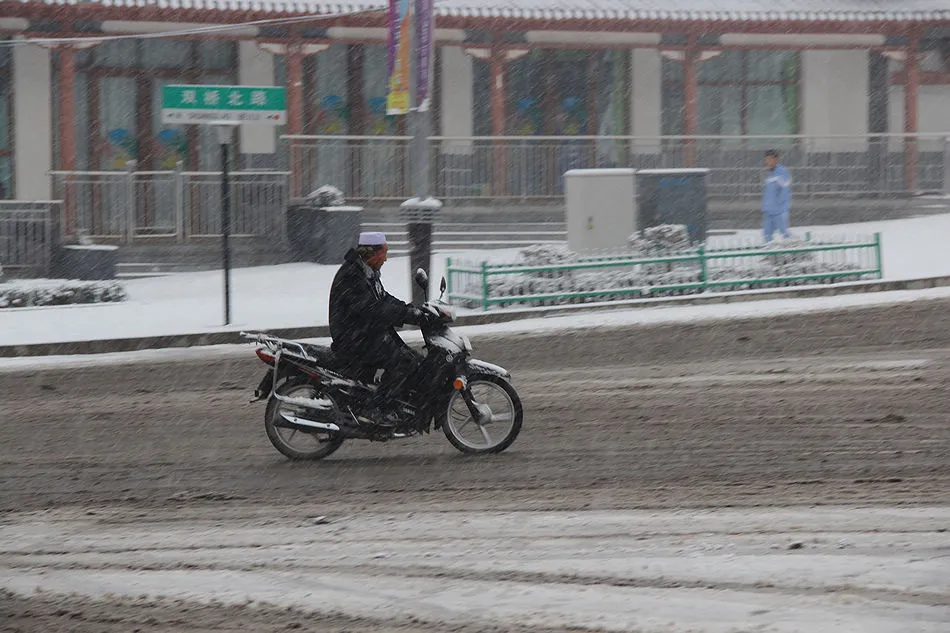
(663, 238)
(326, 196)
(56, 292)
(620, 276)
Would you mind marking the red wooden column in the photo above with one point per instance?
(67, 131)
(295, 112)
(690, 99)
(294, 88)
(496, 60)
(911, 99)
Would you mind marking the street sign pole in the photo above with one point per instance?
(225, 133)
(224, 107)
(412, 73)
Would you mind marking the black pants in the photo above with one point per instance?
(399, 364)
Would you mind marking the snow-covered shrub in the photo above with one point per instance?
(325, 196)
(24, 294)
(661, 238)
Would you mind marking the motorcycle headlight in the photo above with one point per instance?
(447, 312)
(466, 343)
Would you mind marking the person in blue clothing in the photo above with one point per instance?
(776, 198)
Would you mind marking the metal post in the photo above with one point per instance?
(703, 273)
(485, 286)
(946, 166)
(131, 202)
(178, 182)
(880, 259)
(224, 137)
(420, 210)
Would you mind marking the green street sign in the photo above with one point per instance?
(211, 104)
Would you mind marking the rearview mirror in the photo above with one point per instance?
(421, 278)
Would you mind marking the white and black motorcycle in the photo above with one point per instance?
(315, 401)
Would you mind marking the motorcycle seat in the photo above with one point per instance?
(334, 362)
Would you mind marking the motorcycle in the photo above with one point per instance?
(316, 401)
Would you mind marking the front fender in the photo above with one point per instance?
(475, 366)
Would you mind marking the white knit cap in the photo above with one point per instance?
(372, 239)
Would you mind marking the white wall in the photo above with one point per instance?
(933, 109)
(33, 122)
(646, 103)
(457, 97)
(256, 68)
(835, 94)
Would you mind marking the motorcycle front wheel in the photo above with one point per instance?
(491, 436)
(295, 443)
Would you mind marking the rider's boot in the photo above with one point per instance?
(383, 418)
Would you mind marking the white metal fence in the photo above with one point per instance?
(134, 205)
(27, 236)
(516, 167)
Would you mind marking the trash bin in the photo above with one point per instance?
(341, 232)
(322, 235)
(86, 262)
(673, 196)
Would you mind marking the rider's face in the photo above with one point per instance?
(376, 261)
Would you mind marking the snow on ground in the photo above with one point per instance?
(627, 317)
(791, 570)
(295, 295)
(912, 248)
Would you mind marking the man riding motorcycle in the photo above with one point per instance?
(363, 322)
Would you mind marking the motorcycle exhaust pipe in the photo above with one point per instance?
(304, 422)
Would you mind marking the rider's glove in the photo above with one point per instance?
(415, 316)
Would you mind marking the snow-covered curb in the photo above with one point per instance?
(723, 306)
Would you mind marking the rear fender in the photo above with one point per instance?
(266, 387)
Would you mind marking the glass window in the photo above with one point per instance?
(739, 93)
(217, 55)
(375, 67)
(725, 68)
(331, 111)
(525, 92)
(933, 62)
(772, 110)
(481, 97)
(720, 110)
(121, 79)
(166, 53)
(672, 70)
(773, 66)
(116, 54)
(6, 120)
(612, 98)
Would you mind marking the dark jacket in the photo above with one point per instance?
(363, 316)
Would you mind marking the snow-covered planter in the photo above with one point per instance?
(54, 292)
(635, 274)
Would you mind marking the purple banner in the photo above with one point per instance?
(425, 17)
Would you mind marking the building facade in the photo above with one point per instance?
(80, 84)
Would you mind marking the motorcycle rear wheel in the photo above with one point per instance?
(497, 434)
(297, 444)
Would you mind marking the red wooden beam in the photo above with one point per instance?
(67, 13)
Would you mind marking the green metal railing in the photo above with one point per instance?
(484, 284)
